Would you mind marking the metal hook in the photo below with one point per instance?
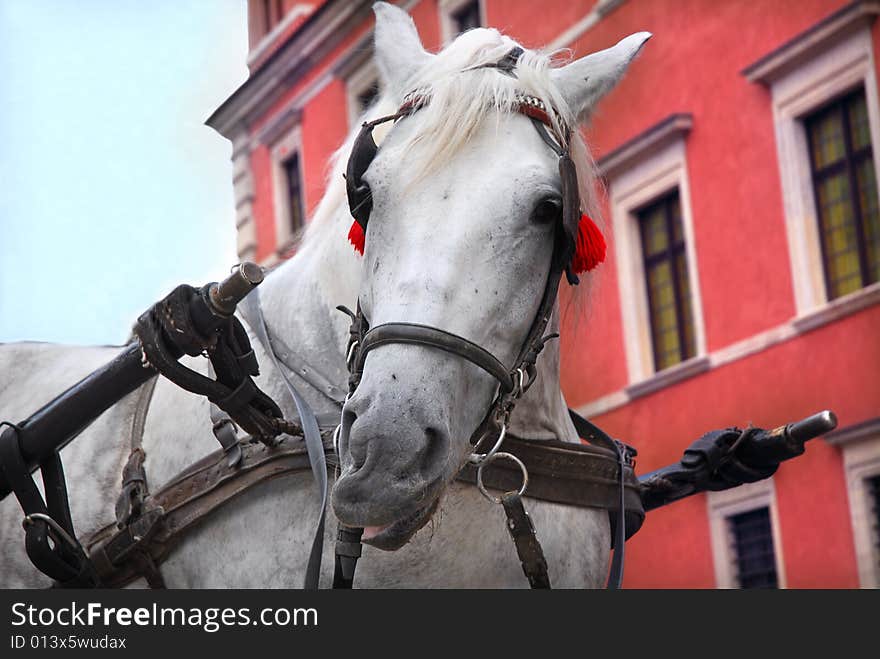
(480, 459)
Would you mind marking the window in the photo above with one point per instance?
(367, 96)
(466, 17)
(752, 547)
(860, 445)
(457, 16)
(294, 193)
(826, 115)
(744, 531)
(362, 85)
(845, 187)
(656, 256)
(667, 282)
(288, 193)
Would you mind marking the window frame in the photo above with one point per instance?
(356, 83)
(860, 446)
(639, 173)
(851, 159)
(822, 64)
(673, 250)
(735, 527)
(726, 503)
(285, 148)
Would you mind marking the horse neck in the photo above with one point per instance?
(542, 413)
(299, 300)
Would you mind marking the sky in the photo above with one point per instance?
(112, 189)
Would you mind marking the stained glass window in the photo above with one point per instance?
(667, 282)
(845, 184)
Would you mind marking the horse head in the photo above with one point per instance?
(466, 209)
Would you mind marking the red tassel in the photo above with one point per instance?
(356, 237)
(590, 248)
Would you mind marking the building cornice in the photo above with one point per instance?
(868, 429)
(672, 128)
(268, 41)
(328, 26)
(819, 37)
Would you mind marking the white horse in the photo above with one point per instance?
(455, 242)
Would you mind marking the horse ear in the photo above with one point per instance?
(399, 51)
(586, 80)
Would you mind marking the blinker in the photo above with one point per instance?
(582, 246)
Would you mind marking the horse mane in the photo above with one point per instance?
(447, 123)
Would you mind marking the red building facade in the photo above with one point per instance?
(740, 159)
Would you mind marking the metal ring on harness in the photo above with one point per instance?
(488, 460)
(480, 459)
(56, 528)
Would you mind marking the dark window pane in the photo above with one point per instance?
(365, 98)
(846, 194)
(668, 285)
(858, 121)
(866, 180)
(467, 17)
(752, 544)
(294, 192)
(267, 16)
(656, 237)
(828, 145)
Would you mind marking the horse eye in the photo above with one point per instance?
(548, 210)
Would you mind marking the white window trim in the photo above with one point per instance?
(831, 59)
(448, 29)
(356, 84)
(282, 150)
(861, 461)
(637, 174)
(724, 504)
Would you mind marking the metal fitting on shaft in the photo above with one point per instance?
(226, 295)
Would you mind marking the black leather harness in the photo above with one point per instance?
(513, 381)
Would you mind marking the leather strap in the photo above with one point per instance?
(624, 454)
(186, 500)
(529, 550)
(573, 474)
(348, 551)
(253, 314)
(433, 337)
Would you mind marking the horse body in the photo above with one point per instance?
(263, 537)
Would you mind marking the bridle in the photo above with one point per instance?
(513, 381)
